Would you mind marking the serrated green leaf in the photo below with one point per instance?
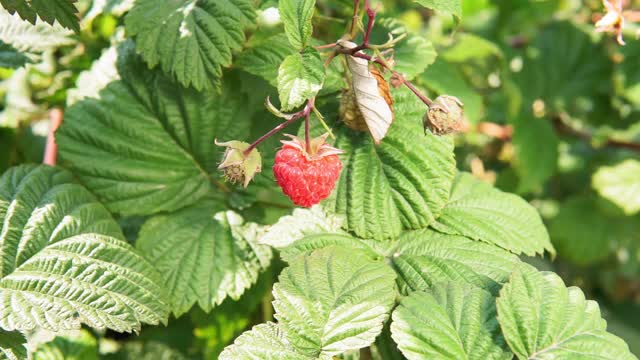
(620, 184)
(10, 57)
(309, 244)
(412, 55)
(77, 346)
(264, 342)
(147, 145)
(300, 77)
(12, 345)
(425, 257)
(400, 184)
(542, 319)
(536, 150)
(28, 38)
(63, 11)
(264, 59)
(333, 300)
(478, 211)
(193, 39)
(203, 255)
(296, 16)
(446, 79)
(449, 321)
(302, 223)
(453, 7)
(63, 260)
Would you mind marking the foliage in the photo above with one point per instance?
(136, 242)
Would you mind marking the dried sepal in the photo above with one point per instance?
(371, 95)
(445, 116)
(238, 167)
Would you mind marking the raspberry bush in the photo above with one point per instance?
(314, 179)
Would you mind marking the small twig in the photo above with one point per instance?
(293, 118)
(51, 149)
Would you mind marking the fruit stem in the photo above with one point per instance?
(306, 133)
(294, 117)
(354, 19)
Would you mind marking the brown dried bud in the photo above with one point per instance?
(238, 167)
(445, 116)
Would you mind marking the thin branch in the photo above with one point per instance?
(293, 118)
(51, 149)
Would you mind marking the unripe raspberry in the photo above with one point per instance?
(307, 177)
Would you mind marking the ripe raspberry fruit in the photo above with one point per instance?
(307, 177)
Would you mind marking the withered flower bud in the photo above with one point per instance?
(445, 116)
(237, 166)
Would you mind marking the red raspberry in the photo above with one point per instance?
(307, 177)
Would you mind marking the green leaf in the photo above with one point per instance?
(450, 321)
(412, 55)
(425, 257)
(203, 255)
(28, 38)
(536, 150)
(264, 59)
(542, 319)
(453, 7)
(333, 300)
(64, 11)
(147, 145)
(192, 39)
(309, 244)
(64, 261)
(300, 224)
(403, 183)
(620, 184)
(445, 79)
(300, 77)
(471, 47)
(264, 342)
(296, 16)
(481, 212)
(582, 232)
(12, 345)
(563, 65)
(10, 57)
(146, 350)
(77, 346)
